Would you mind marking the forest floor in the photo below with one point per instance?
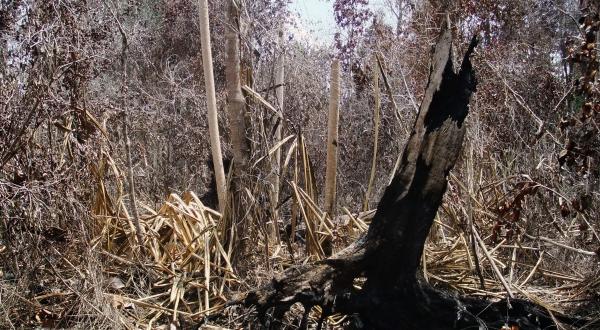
(183, 276)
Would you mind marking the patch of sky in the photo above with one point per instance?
(314, 20)
(17, 55)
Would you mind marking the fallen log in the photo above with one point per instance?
(387, 257)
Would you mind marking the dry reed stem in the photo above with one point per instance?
(491, 259)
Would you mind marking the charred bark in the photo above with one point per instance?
(393, 296)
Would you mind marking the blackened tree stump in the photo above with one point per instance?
(388, 256)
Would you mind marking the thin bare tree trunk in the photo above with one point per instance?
(377, 96)
(332, 139)
(130, 180)
(276, 167)
(332, 146)
(211, 100)
(235, 99)
(236, 111)
(131, 184)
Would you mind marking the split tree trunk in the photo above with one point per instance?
(211, 101)
(388, 256)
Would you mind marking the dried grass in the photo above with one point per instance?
(185, 245)
(183, 255)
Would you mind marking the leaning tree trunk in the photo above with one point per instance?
(387, 257)
(211, 102)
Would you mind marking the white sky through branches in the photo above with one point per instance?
(316, 23)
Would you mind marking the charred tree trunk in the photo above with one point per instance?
(388, 256)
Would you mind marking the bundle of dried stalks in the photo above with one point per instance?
(187, 265)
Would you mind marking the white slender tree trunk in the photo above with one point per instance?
(211, 100)
(332, 139)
